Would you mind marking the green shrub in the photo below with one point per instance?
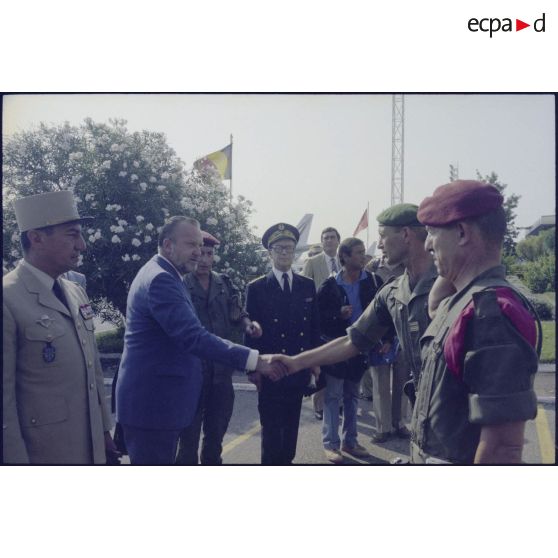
(544, 309)
(111, 341)
(540, 275)
(548, 353)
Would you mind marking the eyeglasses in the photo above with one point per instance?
(283, 249)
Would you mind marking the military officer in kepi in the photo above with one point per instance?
(54, 408)
(285, 305)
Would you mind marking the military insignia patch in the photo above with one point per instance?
(45, 320)
(86, 311)
(49, 353)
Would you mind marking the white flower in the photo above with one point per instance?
(90, 231)
(117, 207)
(152, 179)
(105, 138)
(94, 204)
(122, 222)
(108, 207)
(106, 164)
(216, 258)
(77, 199)
(133, 177)
(76, 156)
(211, 221)
(136, 164)
(161, 188)
(124, 165)
(98, 234)
(92, 238)
(136, 242)
(159, 229)
(227, 264)
(147, 238)
(140, 218)
(143, 186)
(115, 147)
(89, 197)
(115, 239)
(165, 211)
(116, 229)
(135, 257)
(165, 176)
(122, 173)
(149, 227)
(253, 270)
(126, 258)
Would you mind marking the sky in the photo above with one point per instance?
(330, 155)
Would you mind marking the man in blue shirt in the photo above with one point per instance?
(341, 300)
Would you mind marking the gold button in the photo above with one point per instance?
(302, 333)
(304, 319)
(283, 350)
(301, 349)
(282, 335)
(275, 320)
(33, 421)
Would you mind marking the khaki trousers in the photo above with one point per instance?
(389, 404)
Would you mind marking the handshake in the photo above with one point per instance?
(276, 367)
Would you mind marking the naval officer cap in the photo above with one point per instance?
(458, 200)
(280, 231)
(46, 210)
(400, 215)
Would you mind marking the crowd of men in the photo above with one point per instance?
(434, 319)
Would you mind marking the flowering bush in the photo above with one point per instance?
(129, 208)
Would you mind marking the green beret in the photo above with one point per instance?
(400, 215)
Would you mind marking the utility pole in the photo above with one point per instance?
(397, 148)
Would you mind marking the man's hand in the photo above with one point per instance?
(111, 451)
(253, 329)
(346, 311)
(273, 370)
(287, 361)
(386, 348)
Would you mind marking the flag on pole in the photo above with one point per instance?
(221, 160)
(363, 223)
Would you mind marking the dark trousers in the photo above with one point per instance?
(150, 447)
(279, 417)
(214, 414)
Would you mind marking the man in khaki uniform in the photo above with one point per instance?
(54, 408)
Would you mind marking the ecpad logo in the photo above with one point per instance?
(493, 25)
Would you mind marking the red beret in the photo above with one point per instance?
(209, 239)
(458, 200)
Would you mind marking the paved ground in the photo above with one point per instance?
(242, 442)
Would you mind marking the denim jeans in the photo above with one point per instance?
(340, 392)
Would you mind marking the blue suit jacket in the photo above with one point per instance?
(159, 378)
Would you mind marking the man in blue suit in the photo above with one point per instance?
(159, 379)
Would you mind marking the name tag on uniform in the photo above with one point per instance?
(413, 326)
(86, 311)
(309, 299)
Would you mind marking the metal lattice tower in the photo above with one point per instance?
(397, 148)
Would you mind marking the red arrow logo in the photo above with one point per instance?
(519, 25)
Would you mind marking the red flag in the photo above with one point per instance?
(363, 223)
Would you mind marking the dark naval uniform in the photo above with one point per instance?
(290, 326)
(407, 309)
(496, 385)
(219, 310)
